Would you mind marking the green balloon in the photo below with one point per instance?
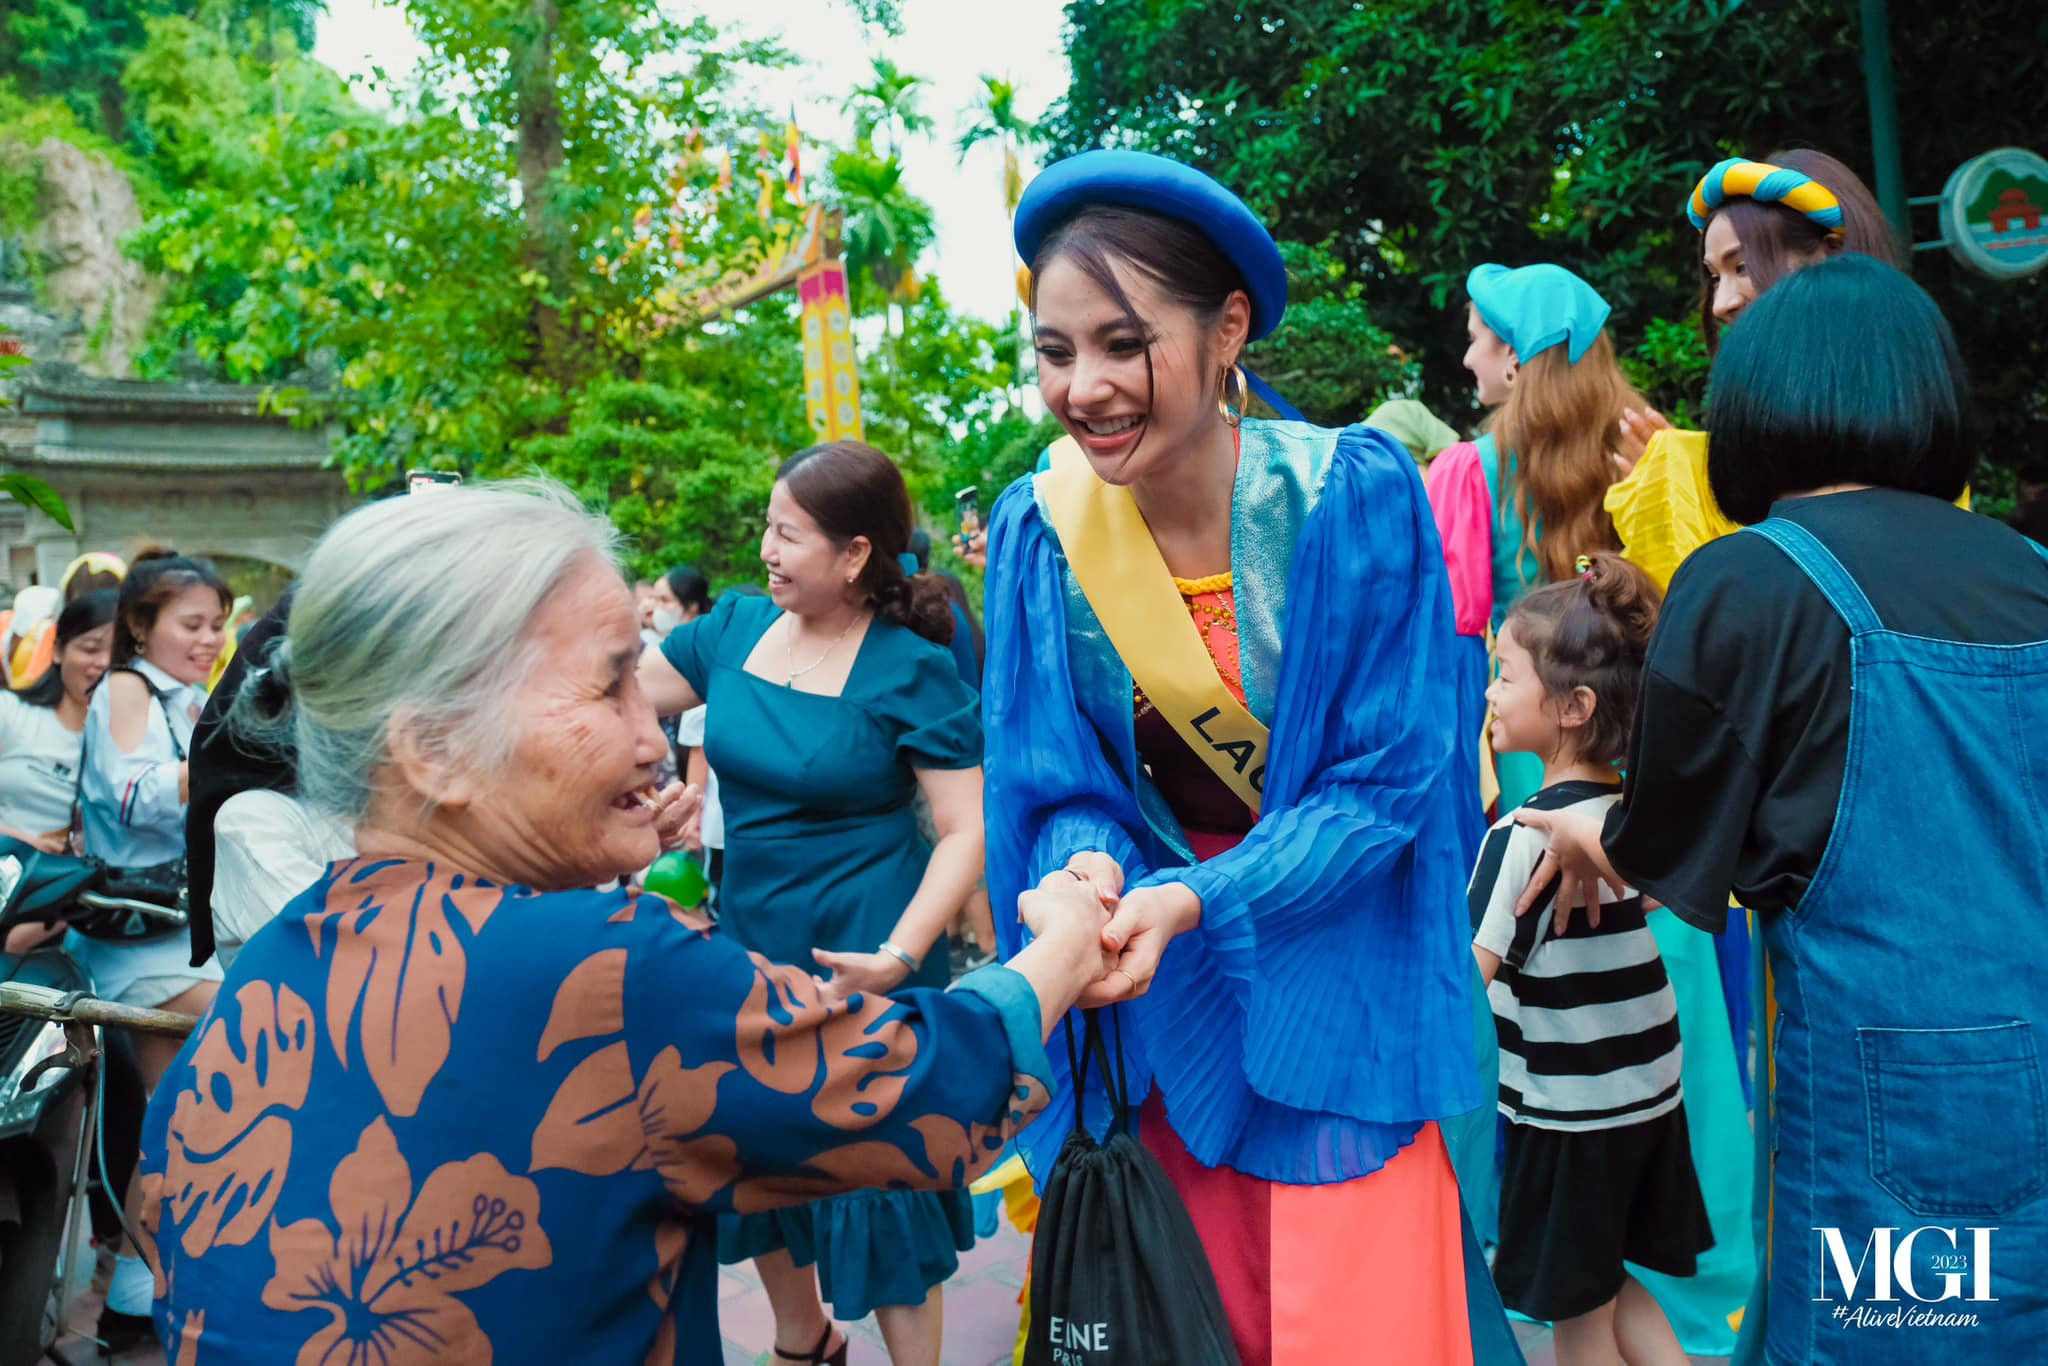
(678, 877)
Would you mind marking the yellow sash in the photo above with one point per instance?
(1118, 566)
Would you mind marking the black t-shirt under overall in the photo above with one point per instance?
(1742, 729)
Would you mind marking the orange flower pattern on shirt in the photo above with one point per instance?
(582, 1079)
(231, 1135)
(398, 959)
(388, 1273)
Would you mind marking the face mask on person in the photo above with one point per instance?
(666, 619)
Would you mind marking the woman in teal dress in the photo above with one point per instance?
(830, 704)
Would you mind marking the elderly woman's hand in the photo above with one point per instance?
(675, 814)
(876, 974)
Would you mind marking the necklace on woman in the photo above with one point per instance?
(789, 645)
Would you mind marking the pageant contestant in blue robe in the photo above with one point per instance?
(1299, 1044)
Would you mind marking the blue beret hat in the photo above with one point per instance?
(1536, 307)
(1139, 180)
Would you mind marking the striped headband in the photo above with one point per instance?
(1767, 184)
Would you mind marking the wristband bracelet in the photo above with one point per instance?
(902, 955)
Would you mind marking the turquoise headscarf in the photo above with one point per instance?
(1536, 307)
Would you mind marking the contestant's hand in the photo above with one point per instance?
(1100, 871)
(876, 974)
(675, 814)
(1144, 924)
(1633, 437)
(1575, 859)
(1068, 910)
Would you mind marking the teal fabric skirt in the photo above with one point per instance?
(871, 1248)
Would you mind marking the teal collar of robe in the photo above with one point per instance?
(1280, 471)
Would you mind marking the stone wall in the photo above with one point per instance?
(101, 299)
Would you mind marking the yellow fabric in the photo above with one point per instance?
(1664, 510)
(1118, 566)
(1213, 583)
(32, 656)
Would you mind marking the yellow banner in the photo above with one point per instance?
(831, 384)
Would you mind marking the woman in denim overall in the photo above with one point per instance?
(1903, 1077)
(1902, 1127)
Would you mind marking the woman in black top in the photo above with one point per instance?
(1840, 723)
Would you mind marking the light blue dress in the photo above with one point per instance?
(132, 817)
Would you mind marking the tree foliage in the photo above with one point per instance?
(1415, 139)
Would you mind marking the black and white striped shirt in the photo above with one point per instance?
(1588, 1024)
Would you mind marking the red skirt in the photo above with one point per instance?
(1371, 1270)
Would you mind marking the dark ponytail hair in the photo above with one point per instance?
(1592, 632)
(851, 489)
(156, 576)
(691, 588)
(80, 615)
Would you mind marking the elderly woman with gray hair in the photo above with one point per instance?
(452, 1103)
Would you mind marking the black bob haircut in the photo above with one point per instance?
(1842, 373)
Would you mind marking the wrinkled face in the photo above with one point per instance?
(188, 635)
(1524, 718)
(83, 662)
(1490, 359)
(1092, 371)
(574, 806)
(808, 571)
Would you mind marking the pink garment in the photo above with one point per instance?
(1463, 508)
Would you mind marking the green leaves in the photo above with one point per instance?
(1415, 139)
(32, 492)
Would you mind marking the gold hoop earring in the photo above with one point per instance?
(1233, 413)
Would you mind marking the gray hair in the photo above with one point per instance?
(418, 605)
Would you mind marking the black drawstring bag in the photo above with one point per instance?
(1118, 1276)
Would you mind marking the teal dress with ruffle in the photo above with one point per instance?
(822, 851)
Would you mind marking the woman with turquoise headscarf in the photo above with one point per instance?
(1517, 508)
(1219, 689)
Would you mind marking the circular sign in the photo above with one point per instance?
(1994, 213)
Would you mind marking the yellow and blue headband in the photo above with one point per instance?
(1767, 184)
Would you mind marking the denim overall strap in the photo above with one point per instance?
(1904, 1138)
(1825, 570)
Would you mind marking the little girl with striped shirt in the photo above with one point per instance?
(1599, 1169)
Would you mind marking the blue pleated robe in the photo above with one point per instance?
(1322, 1012)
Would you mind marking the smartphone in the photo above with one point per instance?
(968, 501)
(427, 481)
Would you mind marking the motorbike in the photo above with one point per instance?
(53, 1073)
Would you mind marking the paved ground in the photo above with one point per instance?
(981, 1318)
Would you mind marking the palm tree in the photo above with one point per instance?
(888, 104)
(887, 227)
(994, 118)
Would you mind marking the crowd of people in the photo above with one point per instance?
(1506, 860)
